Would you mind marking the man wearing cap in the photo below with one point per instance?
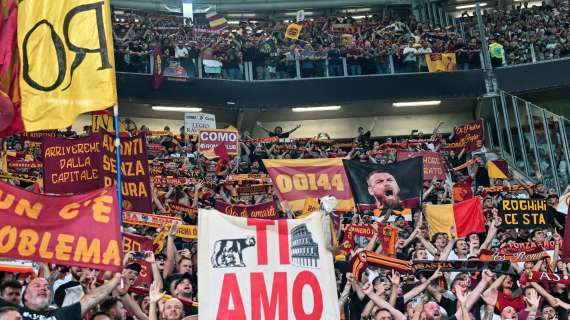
(131, 272)
(37, 297)
(184, 290)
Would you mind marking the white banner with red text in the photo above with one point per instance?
(264, 269)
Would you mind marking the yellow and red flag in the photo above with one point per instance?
(466, 216)
(65, 61)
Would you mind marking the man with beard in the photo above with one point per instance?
(184, 290)
(114, 309)
(37, 297)
(10, 291)
(385, 190)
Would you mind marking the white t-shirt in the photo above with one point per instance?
(180, 52)
(410, 54)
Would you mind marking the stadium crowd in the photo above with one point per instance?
(377, 44)
(63, 292)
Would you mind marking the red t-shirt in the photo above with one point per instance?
(504, 300)
(462, 190)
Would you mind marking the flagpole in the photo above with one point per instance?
(118, 151)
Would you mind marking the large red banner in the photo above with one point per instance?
(134, 171)
(433, 163)
(81, 230)
(265, 210)
(470, 135)
(71, 166)
(297, 180)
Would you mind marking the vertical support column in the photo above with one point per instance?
(534, 145)
(483, 39)
(200, 68)
(550, 151)
(391, 60)
(507, 126)
(521, 136)
(298, 67)
(430, 15)
(532, 53)
(498, 127)
(565, 146)
(344, 67)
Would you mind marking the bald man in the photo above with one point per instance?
(37, 299)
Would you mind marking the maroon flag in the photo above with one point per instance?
(222, 152)
(157, 76)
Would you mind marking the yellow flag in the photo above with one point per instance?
(441, 62)
(105, 122)
(67, 65)
(293, 31)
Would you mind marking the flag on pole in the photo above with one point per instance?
(466, 216)
(66, 62)
(157, 76)
(498, 169)
(10, 119)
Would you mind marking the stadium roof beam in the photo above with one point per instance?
(242, 6)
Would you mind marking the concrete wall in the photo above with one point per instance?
(385, 125)
(152, 123)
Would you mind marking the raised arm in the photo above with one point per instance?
(422, 287)
(373, 125)
(492, 232)
(447, 250)
(429, 246)
(170, 263)
(294, 129)
(93, 298)
(155, 295)
(262, 127)
(369, 291)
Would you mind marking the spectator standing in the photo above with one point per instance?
(410, 58)
(354, 55)
(335, 62)
(497, 53)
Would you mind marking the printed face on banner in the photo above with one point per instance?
(254, 267)
(393, 186)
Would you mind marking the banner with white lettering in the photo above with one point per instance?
(264, 269)
(194, 122)
(209, 139)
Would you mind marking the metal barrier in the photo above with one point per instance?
(532, 139)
